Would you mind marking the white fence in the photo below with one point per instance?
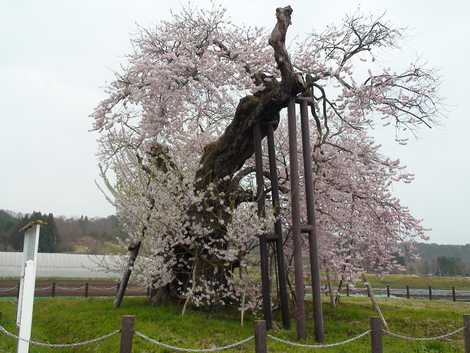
(63, 265)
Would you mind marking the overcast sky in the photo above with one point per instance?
(55, 57)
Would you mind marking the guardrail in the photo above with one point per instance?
(261, 337)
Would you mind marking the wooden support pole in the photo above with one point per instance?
(53, 290)
(281, 265)
(376, 335)
(133, 250)
(260, 337)
(127, 333)
(430, 293)
(388, 291)
(86, 290)
(295, 211)
(312, 234)
(407, 292)
(263, 243)
(454, 296)
(466, 333)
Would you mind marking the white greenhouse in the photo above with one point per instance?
(63, 265)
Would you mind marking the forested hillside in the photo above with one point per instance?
(432, 250)
(103, 234)
(442, 259)
(61, 234)
(8, 223)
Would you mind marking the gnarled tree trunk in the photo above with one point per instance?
(227, 155)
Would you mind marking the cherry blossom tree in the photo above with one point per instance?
(175, 134)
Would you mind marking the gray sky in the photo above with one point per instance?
(57, 55)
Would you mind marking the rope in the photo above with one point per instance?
(103, 288)
(326, 345)
(43, 288)
(136, 289)
(397, 335)
(58, 345)
(69, 288)
(7, 289)
(179, 349)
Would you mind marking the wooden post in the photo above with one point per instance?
(295, 215)
(260, 337)
(347, 289)
(53, 290)
(430, 293)
(407, 292)
(466, 333)
(281, 266)
(388, 291)
(134, 249)
(263, 243)
(376, 335)
(454, 297)
(86, 290)
(127, 333)
(312, 234)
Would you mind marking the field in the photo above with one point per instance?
(64, 320)
(414, 281)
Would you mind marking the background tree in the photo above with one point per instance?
(176, 132)
(449, 266)
(49, 238)
(7, 224)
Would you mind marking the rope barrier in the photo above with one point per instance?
(7, 289)
(102, 288)
(69, 288)
(4, 290)
(435, 338)
(43, 288)
(326, 345)
(179, 349)
(58, 345)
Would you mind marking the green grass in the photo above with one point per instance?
(63, 320)
(438, 282)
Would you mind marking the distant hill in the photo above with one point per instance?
(432, 251)
(100, 235)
